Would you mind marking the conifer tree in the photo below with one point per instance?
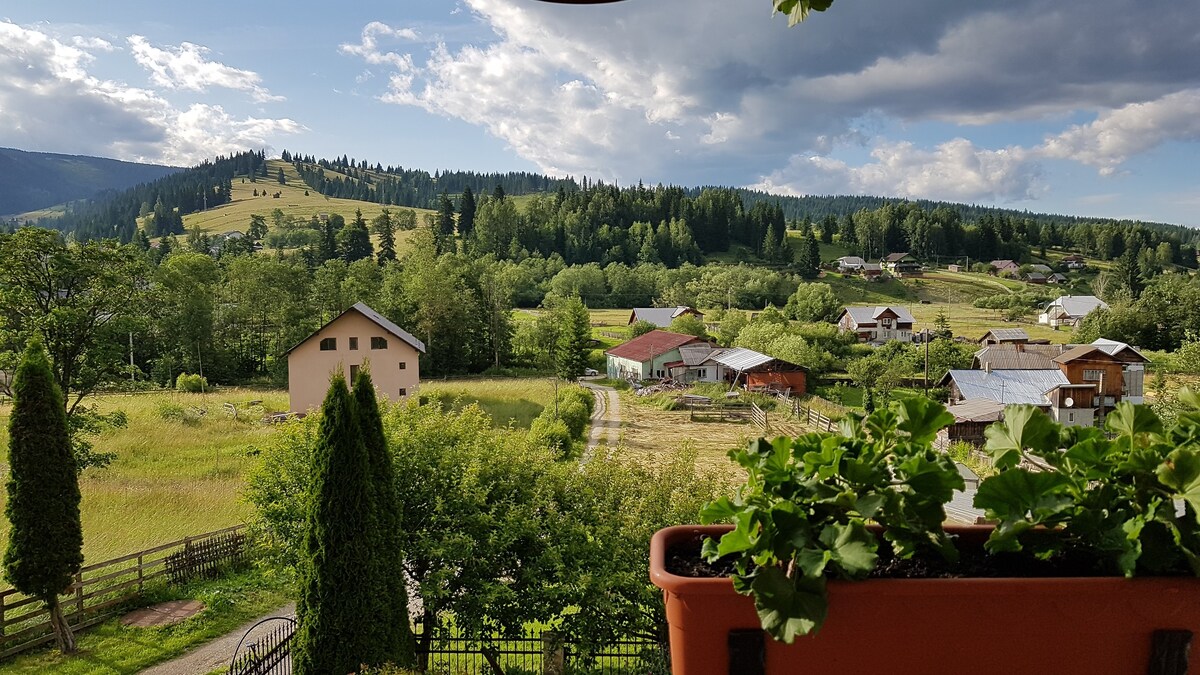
(445, 217)
(394, 639)
(466, 213)
(336, 623)
(574, 337)
(45, 543)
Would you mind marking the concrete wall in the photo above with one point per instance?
(309, 368)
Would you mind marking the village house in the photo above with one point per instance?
(871, 270)
(970, 419)
(900, 264)
(1074, 261)
(1069, 310)
(954, 267)
(662, 316)
(1050, 390)
(849, 263)
(1004, 336)
(1006, 267)
(646, 356)
(1035, 278)
(877, 324)
(357, 336)
(1133, 373)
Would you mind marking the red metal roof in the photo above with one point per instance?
(654, 343)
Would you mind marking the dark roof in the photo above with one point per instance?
(1082, 351)
(1007, 334)
(896, 257)
(374, 316)
(656, 342)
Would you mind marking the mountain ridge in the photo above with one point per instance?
(30, 180)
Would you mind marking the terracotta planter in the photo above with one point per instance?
(1092, 626)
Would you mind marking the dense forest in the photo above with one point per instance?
(37, 180)
(586, 222)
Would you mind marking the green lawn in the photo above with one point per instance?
(171, 478)
(508, 400)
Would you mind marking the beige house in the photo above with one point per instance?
(356, 336)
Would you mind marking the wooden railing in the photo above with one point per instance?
(99, 590)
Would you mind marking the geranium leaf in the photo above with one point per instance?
(851, 546)
(1024, 426)
(1128, 419)
(1018, 494)
(1181, 473)
(922, 418)
(789, 607)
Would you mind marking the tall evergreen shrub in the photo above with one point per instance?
(394, 638)
(45, 542)
(336, 608)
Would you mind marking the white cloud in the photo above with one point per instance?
(1117, 135)
(49, 101)
(94, 43)
(185, 67)
(956, 170)
(661, 90)
(368, 47)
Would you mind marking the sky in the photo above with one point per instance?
(1082, 107)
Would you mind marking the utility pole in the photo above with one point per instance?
(131, 366)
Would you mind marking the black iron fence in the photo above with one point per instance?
(268, 652)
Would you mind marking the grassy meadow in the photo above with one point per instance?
(515, 401)
(173, 476)
(293, 202)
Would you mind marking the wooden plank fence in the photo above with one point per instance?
(809, 415)
(759, 417)
(100, 589)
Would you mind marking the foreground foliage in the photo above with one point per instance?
(477, 506)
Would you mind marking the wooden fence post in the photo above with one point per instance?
(78, 597)
(1, 615)
(141, 574)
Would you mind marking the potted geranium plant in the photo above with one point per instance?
(839, 541)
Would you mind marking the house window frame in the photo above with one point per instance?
(329, 344)
(1090, 375)
(403, 391)
(353, 372)
(353, 344)
(404, 365)
(378, 342)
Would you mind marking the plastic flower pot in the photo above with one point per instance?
(983, 626)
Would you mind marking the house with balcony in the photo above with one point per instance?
(877, 325)
(900, 264)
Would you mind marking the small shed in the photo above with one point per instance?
(971, 417)
(955, 268)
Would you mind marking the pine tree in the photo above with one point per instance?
(335, 608)
(445, 217)
(45, 542)
(394, 639)
(574, 339)
(466, 213)
(386, 229)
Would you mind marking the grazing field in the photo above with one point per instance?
(175, 474)
(515, 401)
(293, 202)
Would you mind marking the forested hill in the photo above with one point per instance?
(36, 180)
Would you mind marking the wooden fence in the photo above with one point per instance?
(808, 414)
(100, 589)
(759, 417)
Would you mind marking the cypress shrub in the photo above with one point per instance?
(335, 609)
(45, 543)
(394, 639)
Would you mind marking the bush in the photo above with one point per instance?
(551, 433)
(193, 384)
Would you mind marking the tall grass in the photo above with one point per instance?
(516, 401)
(171, 477)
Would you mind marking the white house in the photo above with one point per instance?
(646, 356)
(850, 263)
(1069, 310)
(877, 324)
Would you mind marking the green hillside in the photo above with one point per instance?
(30, 181)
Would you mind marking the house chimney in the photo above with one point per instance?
(1020, 347)
(987, 366)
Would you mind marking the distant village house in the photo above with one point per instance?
(646, 356)
(877, 324)
(900, 264)
(1069, 310)
(662, 316)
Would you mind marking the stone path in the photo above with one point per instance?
(163, 614)
(217, 653)
(606, 419)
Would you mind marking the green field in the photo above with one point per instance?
(171, 478)
(515, 401)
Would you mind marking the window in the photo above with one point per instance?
(1093, 375)
(702, 373)
(353, 344)
(378, 343)
(403, 391)
(1070, 417)
(404, 365)
(329, 344)
(887, 323)
(353, 370)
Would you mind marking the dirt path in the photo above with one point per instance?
(216, 653)
(606, 419)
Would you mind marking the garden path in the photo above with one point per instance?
(215, 653)
(606, 419)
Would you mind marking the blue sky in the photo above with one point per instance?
(1088, 107)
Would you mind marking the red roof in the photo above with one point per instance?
(656, 343)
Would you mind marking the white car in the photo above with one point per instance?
(590, 372)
